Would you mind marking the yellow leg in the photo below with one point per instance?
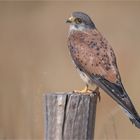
(85, 90)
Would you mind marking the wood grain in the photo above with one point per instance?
(70, 116)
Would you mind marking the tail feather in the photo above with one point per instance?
(135, 119)
(118, 93)
(136, 122)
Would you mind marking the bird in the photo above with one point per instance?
(95, 60)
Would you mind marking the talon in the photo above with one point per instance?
(85, 90)
(96, 91)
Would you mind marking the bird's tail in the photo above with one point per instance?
(136, 122)
(118, 93)
(134, 118)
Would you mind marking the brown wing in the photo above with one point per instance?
(91, 51)
(94, 56)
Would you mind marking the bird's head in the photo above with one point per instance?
(80, 21)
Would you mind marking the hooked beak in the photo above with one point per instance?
(70, 20)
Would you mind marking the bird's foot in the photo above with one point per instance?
(85, 90)
(89, 91)
(97, 92)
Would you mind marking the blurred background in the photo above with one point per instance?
(34, 59)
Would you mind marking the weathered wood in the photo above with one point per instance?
(70, 116)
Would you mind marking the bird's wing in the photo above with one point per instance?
(91, 51)
(94, 56)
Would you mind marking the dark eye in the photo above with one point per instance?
(78, 20)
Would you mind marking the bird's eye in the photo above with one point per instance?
(78, 20)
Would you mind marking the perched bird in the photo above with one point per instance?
(95, 60)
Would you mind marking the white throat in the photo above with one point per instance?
(79, 27)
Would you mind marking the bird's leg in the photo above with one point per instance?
(96, 91)
(85, 90)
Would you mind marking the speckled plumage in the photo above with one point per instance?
(95, 60)
(91, 50)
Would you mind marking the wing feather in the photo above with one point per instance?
(92, 51)
(94, 56)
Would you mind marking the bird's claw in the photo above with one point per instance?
(85, 90)
(97, 92)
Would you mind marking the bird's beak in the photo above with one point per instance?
(70, 20)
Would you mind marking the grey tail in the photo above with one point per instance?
(118, 93)
(134, 118)
(135, 121)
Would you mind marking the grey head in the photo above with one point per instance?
(80, 20)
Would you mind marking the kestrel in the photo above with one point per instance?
(96, 62)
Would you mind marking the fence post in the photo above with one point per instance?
(70, 116)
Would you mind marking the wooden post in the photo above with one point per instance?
(70, 116)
